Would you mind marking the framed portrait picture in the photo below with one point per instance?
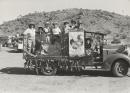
(76, 44)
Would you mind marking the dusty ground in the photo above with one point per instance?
(13, 79)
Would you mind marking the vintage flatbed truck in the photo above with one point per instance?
(78, 50)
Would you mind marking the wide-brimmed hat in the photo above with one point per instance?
(73, 21)
(31, 24)
(65, 23)
(40, 27)
(46, 23)
(55, 23)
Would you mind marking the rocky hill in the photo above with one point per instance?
(92, 20)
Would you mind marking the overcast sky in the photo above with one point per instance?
(11, 9)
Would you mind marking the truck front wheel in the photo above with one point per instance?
(120, 68)
(48, 69)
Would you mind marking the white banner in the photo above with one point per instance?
(76, 44)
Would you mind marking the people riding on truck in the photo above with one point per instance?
(56, 32)
(47, 30)
(38, 40)
(29, 34)
(66, 27)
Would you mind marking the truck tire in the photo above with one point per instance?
(48, 69)
(120, 68)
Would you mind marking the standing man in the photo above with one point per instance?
(48, 32)
(56, 32)
(30, 35)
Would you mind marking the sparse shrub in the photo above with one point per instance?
(107, 32)
(92, 20)
(123, 36)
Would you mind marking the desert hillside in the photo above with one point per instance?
(92, 20)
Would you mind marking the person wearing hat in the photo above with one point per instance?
(66, 27)
(73, 24)
(40, 39)
(56, 32)
(29, 34)
(48, 32)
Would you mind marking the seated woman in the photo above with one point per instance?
(88, 44)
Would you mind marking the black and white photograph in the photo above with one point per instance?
(64, 46)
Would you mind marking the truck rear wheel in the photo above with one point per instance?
(48, 69)
(120, 68)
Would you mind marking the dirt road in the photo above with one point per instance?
(13, 79)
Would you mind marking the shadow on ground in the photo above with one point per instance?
(87, 74)
(13, 70)
(17, 71)
(22, 71)
(14, 51)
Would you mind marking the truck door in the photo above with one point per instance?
(94, 46)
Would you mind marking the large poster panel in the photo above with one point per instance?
(76, 44)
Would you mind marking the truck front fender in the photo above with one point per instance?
(110, 59)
